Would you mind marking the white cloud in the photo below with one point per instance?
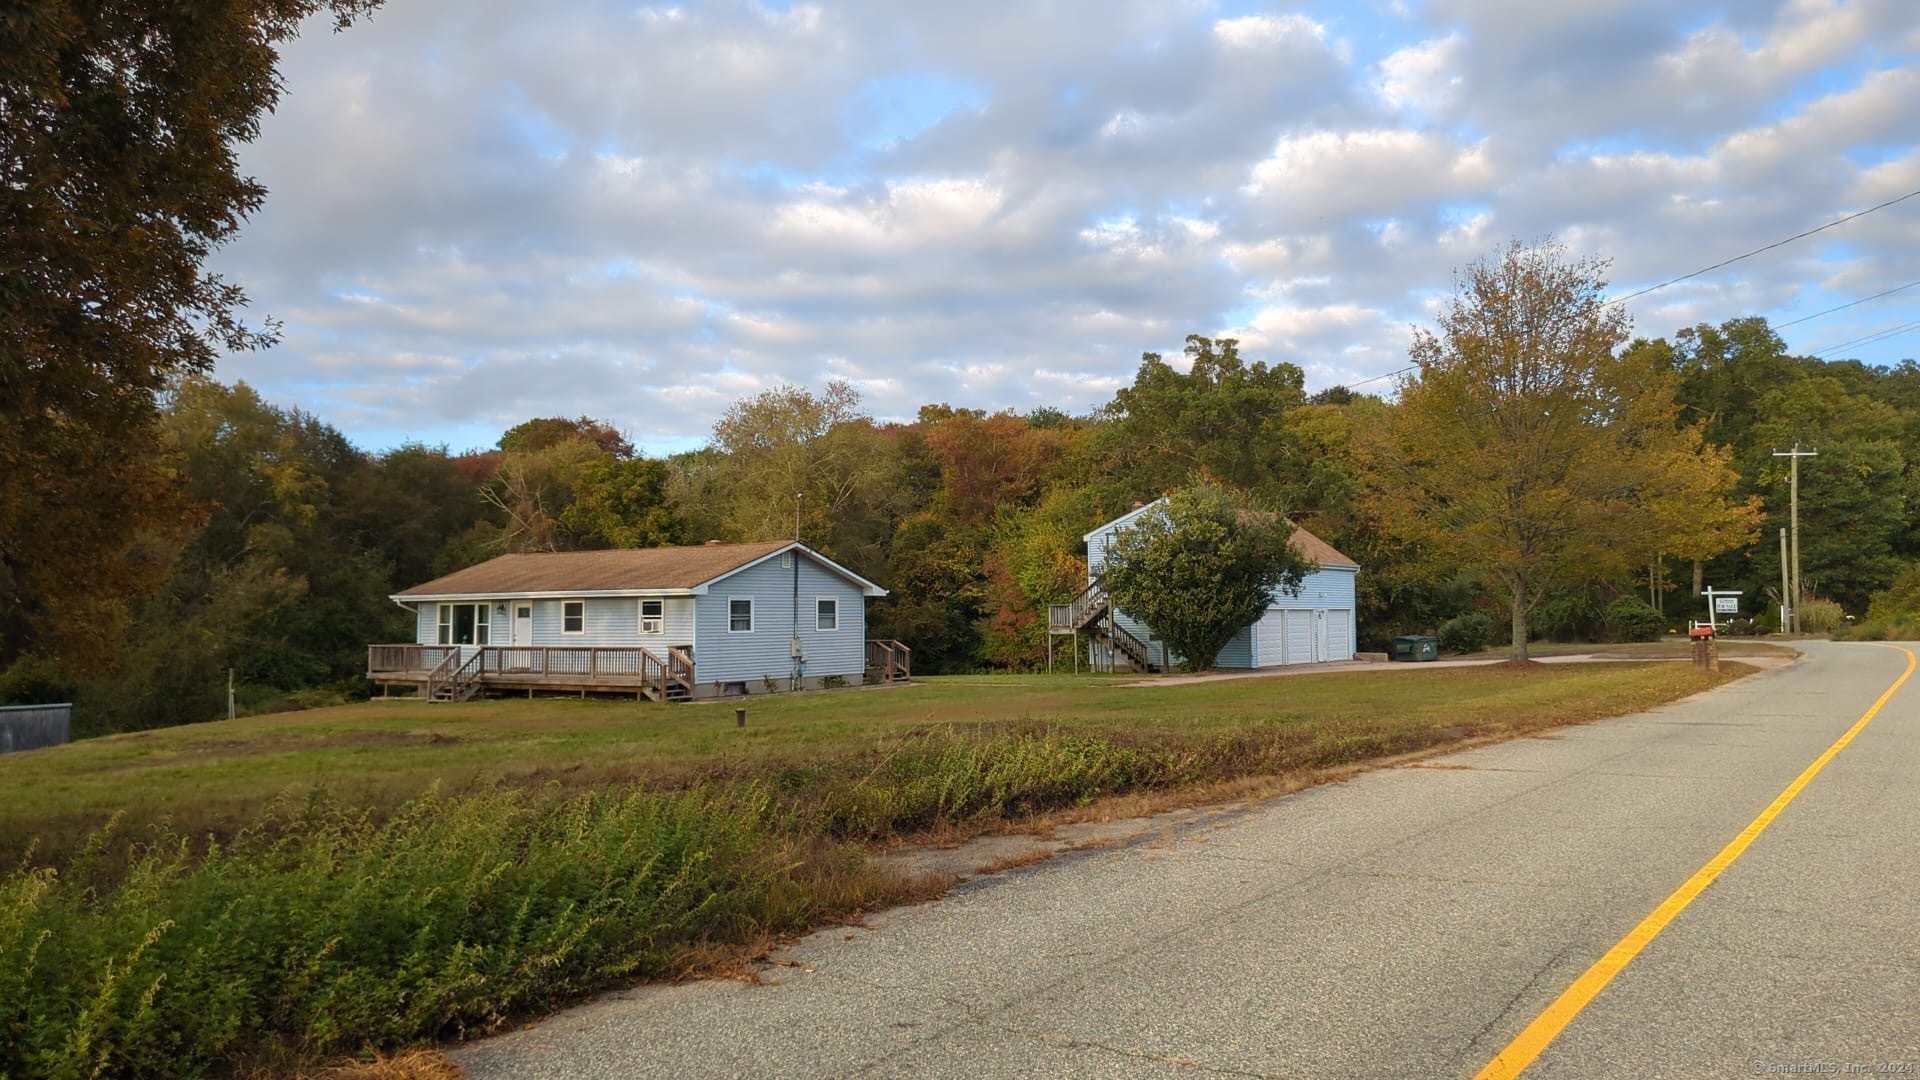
(1260, 31)
(1422, 78)
(1364, 172)
(485, 211)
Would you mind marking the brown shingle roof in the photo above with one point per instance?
(559, 572)
(1319, 550)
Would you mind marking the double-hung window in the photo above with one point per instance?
(573, 616)
(826, 614)
(740, 615)
(652, 616)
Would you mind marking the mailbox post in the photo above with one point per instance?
(1706, 644)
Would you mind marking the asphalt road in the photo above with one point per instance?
(1411, 921)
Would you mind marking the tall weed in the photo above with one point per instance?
(1821, 617)
(339, 933)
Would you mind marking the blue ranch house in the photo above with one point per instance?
(1312, 626)
(670, 624)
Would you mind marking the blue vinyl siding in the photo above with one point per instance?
(724, 656)
(1328, 589)
(611, 621)
(1238, 652)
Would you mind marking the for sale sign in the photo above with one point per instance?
(1726, 605)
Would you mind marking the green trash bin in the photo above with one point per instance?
(1415, 647)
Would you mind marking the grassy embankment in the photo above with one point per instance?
(288, 888)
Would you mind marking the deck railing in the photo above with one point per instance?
(396, 659)
(457, 667)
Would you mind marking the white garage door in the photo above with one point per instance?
(1299, 637)
(1268, 639)
(1339, 634)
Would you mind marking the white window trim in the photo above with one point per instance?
(659, 621)
(835, 601)
(583, 618)
(732, 600)
(446, 622)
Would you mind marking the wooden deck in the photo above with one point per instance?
(462, 672)
(458, 673)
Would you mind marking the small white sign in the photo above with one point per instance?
(1726, 605)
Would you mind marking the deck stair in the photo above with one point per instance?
(889, 661)
(456, 679)
(1091, 611)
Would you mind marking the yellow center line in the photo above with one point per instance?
(1547, 1026)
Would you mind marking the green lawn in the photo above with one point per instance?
(215, 776)
(574, 844)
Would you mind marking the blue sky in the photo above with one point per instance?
(488, 211)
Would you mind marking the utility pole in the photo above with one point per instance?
(1786, 585)
(797, 497)
(1793, 518)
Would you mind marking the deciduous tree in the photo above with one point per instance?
(1529, 449)
(118, 124)
(1201, 568)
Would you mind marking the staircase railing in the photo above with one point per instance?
(889, 660)
(1135, 649)
(465, 679)
(680, 668)
(653, 674)
(1091, 611)
(442, 673)
(1079, 612)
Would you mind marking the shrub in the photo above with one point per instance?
(1822, 617)
(31, 680)
(1899, 600)
(1466, 633)
(1633, 619)
(1568, 615)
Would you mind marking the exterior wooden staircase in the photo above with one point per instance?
(1091, 611)
(888, 661)
(675, 681)
(454, 679)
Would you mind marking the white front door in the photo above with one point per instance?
(521, 658)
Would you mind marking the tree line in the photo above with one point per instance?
(1568, 484)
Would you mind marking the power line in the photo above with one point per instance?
(1737, 258)
(1769, 247)
(1872, 339)
(1377, 378)
(1843, 307)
